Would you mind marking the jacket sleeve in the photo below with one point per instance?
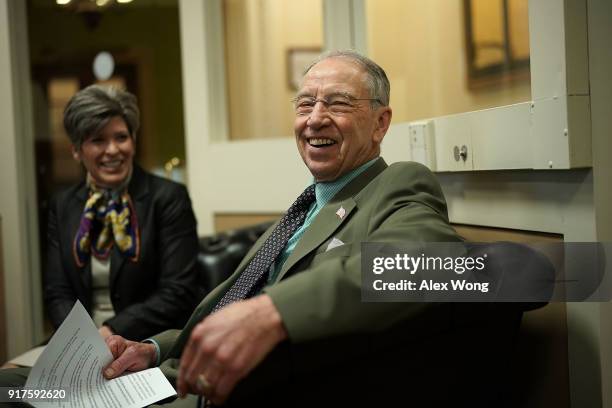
(58, 293)
(176, 292)
(404, 211)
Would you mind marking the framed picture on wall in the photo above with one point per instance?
(497, 41)
(298, 59)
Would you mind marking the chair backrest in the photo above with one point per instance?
(220, 254)
(522, 274)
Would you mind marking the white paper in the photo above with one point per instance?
(28, 359)
(73, 360)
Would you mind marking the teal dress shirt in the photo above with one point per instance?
(324, 192)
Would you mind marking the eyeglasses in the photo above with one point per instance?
(337, 104)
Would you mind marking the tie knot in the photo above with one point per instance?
(306, 198)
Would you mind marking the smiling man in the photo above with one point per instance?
(339, 125)
(288, 328)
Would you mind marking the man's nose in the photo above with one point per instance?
(319, 116)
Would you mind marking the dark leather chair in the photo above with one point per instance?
(220, 254)
(522, 275)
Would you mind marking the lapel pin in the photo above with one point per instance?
(341, 212)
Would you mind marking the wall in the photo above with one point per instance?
(600, 66)
(428, 78)
(258, 35)
(421, 46)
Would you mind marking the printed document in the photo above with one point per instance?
(73, 360)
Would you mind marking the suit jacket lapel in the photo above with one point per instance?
(321, 228)
(327, 221)
(138, 189)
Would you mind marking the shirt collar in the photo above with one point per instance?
(325, 191)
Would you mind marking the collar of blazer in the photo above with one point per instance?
(327, 222)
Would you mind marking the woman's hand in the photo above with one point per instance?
(105, 331)
(129, 356)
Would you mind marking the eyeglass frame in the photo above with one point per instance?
(326, 101)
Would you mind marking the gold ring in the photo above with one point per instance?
(203, 384)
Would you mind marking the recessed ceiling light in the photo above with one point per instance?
(62, 2)
(124, 1)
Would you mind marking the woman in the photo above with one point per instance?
(122, 241)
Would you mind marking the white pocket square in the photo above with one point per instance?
(335, 242)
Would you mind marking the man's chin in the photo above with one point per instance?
(322, 174)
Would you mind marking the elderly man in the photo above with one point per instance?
(289, 328)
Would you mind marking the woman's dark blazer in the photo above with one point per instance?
(157, 292)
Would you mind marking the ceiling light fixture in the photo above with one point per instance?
(90, 10)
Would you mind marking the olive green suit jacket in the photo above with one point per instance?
(318, 291)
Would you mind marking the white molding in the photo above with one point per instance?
(338, 24)
(18, 205)
(197, 101)
(217, 86)
(359, 32)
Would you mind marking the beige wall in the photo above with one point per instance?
(228, 222)
(421, 46)
(419, 43)
(258, 35)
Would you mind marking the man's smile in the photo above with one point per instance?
(320, 141)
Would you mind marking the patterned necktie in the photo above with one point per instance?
(253, 277)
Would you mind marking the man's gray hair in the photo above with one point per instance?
(90, 109)
(377, 80)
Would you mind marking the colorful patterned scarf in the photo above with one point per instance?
(108, 218)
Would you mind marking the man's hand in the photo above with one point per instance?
(129, 356)
(227, 345)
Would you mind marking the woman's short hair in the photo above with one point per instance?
(90, 109)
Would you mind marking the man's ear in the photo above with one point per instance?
(383, 121)
(76, 155)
